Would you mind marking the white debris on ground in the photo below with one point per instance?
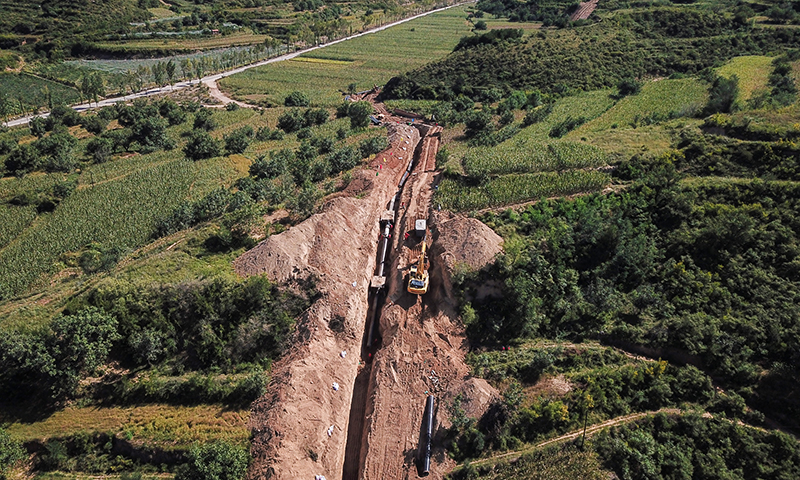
(336, 386)
(330, 430)
(343, 354)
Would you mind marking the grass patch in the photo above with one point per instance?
(587, 105)
(656, 102)
(753, 72)
(375, 59)
(560, 462)
(328, 61)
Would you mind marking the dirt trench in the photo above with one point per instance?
(368, 426)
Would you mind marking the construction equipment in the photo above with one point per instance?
(418, 277)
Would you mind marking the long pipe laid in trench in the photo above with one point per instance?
(382, 249)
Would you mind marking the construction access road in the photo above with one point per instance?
(337, 407)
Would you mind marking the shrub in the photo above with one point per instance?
(343, 159)
(296, 99)
(315, 116)
(239, 139)
(291, 121)
(272, 167)
(201, 145)
(215, 461)
(100, 149)
(359, 113)
(94, 124)
(11, 452)
(203, 120)
(372, 146)
(565, 126)
(629, 86)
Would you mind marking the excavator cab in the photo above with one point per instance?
(418, 278)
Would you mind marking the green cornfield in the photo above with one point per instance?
(119, 213)
(13, 220)
(458, 194)
(529, 158)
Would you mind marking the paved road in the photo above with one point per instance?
(211, 80)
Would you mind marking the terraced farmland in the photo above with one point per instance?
(365, 61)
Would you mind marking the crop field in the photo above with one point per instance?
(656, 102)
(753, 73)
(13, 220)
(523, 157)
(456, 194)
(154, 425)
(110, 213)
(367, 60)
(586, 104)
(33, 92)
(128, 65)
(184, 44)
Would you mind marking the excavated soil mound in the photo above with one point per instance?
(300, 426)
(465, 241)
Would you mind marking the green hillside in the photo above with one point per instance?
(628, 45)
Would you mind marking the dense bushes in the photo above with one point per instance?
(657, 44)
(218, 460)
(58, 358)
(709, 271)
(665, 447)
(205, 323)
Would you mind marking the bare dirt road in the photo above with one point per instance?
(337, 407)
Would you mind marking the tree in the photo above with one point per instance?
(722, 95)
(169, 69)
(100, 149)
(80, 344)
(480, 25)
(272, 167)
(215, 461)
(151, 134)
(238, 140)
(23, 159)
(359, 113)
(203, 120)
(202, 145)
(158, 73)
(629, 86)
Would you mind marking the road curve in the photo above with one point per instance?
(211, 80)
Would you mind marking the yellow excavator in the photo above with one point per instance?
(418, 278)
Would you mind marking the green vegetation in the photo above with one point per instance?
(510, 189)
(21, 93)
(646, 42)
(657, 102)
(665, 447)
(215, 461)
(561, 462)
(365, 61)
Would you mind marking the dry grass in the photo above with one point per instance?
(163, 425)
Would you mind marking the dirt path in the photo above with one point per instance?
(572, 435)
